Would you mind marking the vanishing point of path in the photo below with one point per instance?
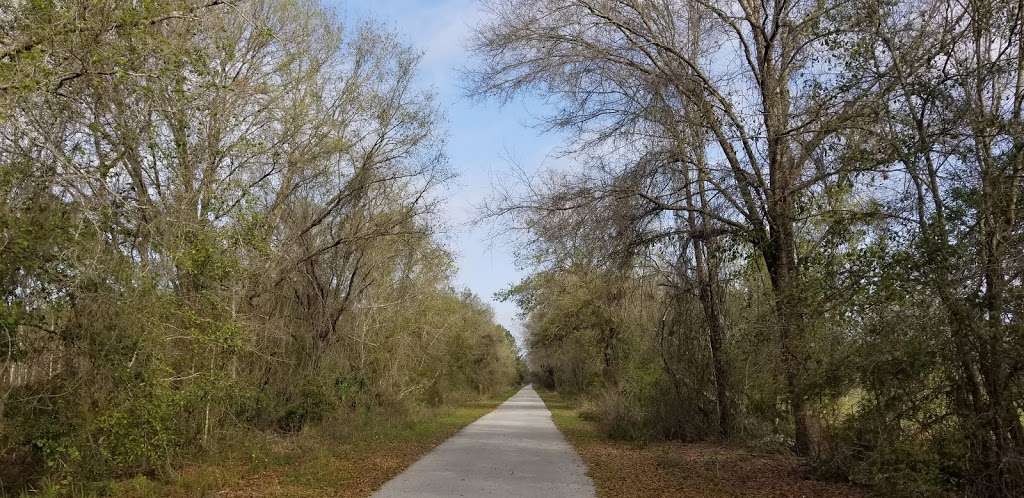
(514, 451)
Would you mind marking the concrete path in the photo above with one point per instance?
(514, 451)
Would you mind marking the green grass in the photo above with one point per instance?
(566, 415)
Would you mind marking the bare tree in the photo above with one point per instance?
(759, 86)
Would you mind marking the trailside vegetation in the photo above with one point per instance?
(215, 216)
(791, 223)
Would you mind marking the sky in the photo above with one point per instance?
(485, 138)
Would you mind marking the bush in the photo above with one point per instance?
(866, 449)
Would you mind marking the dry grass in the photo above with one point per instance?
(348, 462)
(671, 469)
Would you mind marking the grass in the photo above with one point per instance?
(341, 459)
(683, 470)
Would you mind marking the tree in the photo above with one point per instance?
(951, 131)
(217, 214)
(773, 118)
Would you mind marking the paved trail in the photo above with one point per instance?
(514, 451)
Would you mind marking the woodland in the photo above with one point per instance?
(217, 217)
(793, 225)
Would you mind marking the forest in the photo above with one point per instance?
(214, 216)
(790, 225)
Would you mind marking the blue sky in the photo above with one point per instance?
(484, 138)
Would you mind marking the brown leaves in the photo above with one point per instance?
(674, 469)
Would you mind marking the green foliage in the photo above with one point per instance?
(832, 248)
(213, 218)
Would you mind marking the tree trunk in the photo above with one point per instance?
(716, 337)
(780, 258)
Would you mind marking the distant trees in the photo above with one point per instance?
(217, 213)
(791, 167)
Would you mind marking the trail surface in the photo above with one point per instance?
(514, 451)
